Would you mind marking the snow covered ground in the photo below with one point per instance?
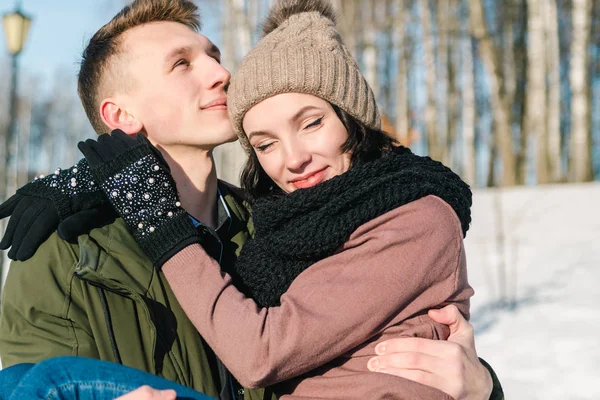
(536, 309)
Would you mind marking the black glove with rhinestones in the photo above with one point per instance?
(40, 207)
(138, 183)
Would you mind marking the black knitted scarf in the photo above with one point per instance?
(296, 230)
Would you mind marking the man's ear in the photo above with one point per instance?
(116, 117)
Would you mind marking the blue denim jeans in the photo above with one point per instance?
(72, 378)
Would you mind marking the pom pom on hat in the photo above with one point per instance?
(282, 10)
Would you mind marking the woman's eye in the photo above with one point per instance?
(316, 122)
(263, 147)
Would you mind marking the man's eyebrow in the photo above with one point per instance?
(177, 52)
(214, 50)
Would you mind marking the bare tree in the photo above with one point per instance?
(350, 14)
(430, 79)
(399, 37)
(370, 48)
(468, 110)
(553, 100)
(450, 8)
(580, 160)
(500, 110)
(535, 119)
(241, 19)
(442, 84)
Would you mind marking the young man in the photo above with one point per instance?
(148, 70)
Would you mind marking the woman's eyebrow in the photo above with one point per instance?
(302, 111)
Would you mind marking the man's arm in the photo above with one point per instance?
(38, 317)
(451, 366)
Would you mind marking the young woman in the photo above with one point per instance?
(339, 213)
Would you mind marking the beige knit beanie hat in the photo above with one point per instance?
(300, 52)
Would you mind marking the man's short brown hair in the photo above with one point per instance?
(99, 59)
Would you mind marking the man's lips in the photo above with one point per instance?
(217, 104)
(309, 180)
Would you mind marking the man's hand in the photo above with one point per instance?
(451, 366)
(68, 200)
(148, 393)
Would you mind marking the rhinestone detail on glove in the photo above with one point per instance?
(143, 194)
(76, 180)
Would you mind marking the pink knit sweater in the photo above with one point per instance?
(378, 285)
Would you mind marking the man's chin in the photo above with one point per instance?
(230, 138)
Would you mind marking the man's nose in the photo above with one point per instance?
(217, 75)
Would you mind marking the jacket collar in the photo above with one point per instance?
(110, 258)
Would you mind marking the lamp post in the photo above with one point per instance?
(16, 27)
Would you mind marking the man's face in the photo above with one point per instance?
(179, 85)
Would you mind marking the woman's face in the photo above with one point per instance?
(298, 140)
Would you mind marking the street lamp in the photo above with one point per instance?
(16, 27)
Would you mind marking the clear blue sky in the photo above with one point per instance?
(58, 32)
(61, 28)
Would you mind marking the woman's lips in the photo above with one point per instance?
(310, 180)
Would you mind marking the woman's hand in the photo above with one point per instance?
(148, 393)
(451, 366)
(137, 181)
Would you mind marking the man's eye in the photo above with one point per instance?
(316, 122)
(181, 62)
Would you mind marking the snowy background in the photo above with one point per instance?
(536, 309)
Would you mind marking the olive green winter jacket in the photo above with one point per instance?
(101, 298)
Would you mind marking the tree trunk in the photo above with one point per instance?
(535, 119)
(430, 80)
(442, 84)
(500, 110)
(402, 124)
(23, 162)
(580, 162)
(514, 53)
(453, 104)
(237, 34)
(370, 46)
(349, 19)
(553, 100)
(468, 111)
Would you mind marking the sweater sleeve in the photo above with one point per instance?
(391, 268)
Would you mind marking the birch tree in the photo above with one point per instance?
(430, 79)
(401, 81)
(535, 118)
(468, 110)
(553, 100)
(450, 8)
(349, 12)
(241, 19)
(369, 53)
(500, 110)
(580, 161)
(442, 79)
